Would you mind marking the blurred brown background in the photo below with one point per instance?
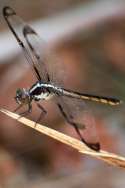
(91, 51)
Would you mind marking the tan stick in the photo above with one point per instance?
(110, 158)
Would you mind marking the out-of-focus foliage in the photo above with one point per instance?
(94, 62)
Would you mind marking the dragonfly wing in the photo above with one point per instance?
(25, 35)
(47, 62)
(40, 56)
(77, 114)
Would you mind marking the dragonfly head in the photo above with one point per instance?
(22, 96)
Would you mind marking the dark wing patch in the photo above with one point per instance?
(77, 114)
(21, 31)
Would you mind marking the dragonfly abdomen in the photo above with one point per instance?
(105, 100)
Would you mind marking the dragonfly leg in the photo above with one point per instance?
(18, 107)
(29, 110)
(43, 112)
(25, 113)
(94, 146)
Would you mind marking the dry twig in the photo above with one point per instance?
(110, 158)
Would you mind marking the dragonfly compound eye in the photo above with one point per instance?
(19, 95)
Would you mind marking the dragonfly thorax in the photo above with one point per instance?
(39, 92)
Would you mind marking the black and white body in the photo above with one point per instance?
(44, 91)
(70, 103)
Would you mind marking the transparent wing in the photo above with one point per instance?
(22, 32)
(43, 60)
(47, 60)
(77, 114)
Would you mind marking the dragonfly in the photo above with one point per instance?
(71, 104)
